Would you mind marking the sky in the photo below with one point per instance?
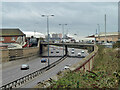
(81, 17)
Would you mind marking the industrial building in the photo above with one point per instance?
(109, 36)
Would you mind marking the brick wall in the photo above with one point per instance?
(8, 40)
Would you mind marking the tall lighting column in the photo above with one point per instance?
(98, 31)
(63, 35)
(47, 16)
(105, 29)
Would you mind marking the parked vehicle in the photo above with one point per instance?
(24, 67)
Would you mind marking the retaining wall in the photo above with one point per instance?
(15, 54)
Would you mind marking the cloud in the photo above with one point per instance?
(81, 17)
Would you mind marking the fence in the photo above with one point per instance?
(30, 76)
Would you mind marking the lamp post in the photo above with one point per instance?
(105, 29)
(98, 31)
(95, 36)
(63, 35)
(47, 16)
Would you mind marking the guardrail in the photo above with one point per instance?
(30, 76)
(88, 61)
(67, 56)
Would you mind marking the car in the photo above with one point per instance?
(72, 52)
(66, 66)
(43, 60)
(51, 51)
(57, 51)
(53, 48)
(72, 49)
(79, 54)
(24, 67)
(82, 51)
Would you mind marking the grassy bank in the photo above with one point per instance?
(105, 74)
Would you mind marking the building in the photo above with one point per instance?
(55, 36)
(29, 34)
(11, 36)
(110, 37)
(60, 35)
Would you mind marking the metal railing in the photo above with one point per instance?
(30, 76)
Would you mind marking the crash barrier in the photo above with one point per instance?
(14, 54)
(67, 56)
(88, 62)
(52, 56)
(22, 80)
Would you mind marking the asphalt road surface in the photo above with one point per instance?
(14, 72)
(53, 71)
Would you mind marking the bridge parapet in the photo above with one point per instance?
(87, 62)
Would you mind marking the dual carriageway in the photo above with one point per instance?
(14, 72)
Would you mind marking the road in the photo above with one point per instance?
(52, 72)
(12, 73)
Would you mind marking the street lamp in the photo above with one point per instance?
(47, 16)
(98, 31)
(63, 35)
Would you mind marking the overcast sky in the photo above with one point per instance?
(82, 17)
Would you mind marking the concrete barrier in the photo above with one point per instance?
(86, 63)
(14, 54)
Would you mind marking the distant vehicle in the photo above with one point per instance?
(67, 41)
(57, 51)
(66, 67)
(72, 49)
(82, 51)
(79, 54)
(53, 48)
(24, 67)
(77, 41)
(72, 52)
(43, 60)
(51, 51)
